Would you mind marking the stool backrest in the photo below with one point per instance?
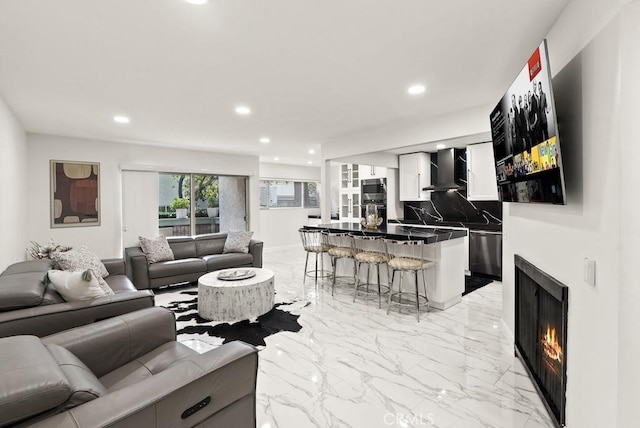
(313, 239)
(404, 248)
(369, 244)
(339, 239)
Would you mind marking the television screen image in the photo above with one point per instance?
(525, 138)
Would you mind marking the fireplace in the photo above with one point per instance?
(541, 334)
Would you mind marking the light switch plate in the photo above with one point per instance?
(590, 272)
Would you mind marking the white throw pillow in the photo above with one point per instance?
(156, 249)
(237, 242)
(80, 259)
(74, 286)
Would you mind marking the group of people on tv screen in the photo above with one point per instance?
(527, 119)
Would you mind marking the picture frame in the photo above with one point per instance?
(75, 193)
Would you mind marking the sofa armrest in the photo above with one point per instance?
(49, 319)
(114, 266)
(226, 374)
(137, 267)
(111, 343)
(255, 249)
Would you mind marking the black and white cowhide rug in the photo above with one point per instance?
(190, 325)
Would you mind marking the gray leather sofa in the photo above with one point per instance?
(194, 256)
(28, 306)
(127, 371)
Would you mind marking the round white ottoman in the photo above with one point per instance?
(220, 300)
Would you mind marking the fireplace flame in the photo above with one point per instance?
(550, 345)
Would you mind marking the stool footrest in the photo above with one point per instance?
(321, 273)
(372, 288)
(398, 299)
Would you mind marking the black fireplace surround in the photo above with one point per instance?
(541, 306)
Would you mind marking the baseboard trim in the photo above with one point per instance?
(267, 249)
(506, 331)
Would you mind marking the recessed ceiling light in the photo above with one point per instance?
(416, 89)
(440, 146)
(309, 162)
(276, 159)
(243, 110)
(311, 151)
(197, 1)
(265, 140)
(121, 119)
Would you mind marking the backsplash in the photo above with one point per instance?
(452, 206)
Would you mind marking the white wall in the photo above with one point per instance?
(411, 131)
(14, 195)
(279, 226)
(106, 239)
(628, 313)
(558, 238)
(289, 172)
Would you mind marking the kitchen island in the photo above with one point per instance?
(445, 282)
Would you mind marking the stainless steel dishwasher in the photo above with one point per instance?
(485, 252)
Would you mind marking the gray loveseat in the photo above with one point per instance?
(28, 306)
(194, 256)
(126, 371)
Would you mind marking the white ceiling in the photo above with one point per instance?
(311, 70)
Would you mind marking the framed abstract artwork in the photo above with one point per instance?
(75, 193)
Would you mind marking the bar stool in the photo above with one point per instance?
(314, 241)
(369, 250)
(407, 256)
(340, 248)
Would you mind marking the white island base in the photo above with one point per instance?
(445, 282)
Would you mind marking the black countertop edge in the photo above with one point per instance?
(495, 227)
(396, 231)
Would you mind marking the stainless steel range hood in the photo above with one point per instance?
(449, 173)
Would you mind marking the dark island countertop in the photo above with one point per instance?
(396, 231)
(496, 227)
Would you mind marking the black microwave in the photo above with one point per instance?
(374, 190)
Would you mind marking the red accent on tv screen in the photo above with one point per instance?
(534, 64)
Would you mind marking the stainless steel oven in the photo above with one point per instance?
(374, 189)
(374, 192)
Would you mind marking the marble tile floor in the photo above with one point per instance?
(352, 365)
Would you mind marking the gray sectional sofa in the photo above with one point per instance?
(29, 306)
(194, 256)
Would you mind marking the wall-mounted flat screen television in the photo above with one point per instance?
(525, 137)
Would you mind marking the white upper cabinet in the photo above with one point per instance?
(371, 171)
(481, 173)
(349, 193)
(415, 174)
(349, 176)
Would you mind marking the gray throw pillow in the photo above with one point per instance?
(80, 259)
(156, 249)
(237, 242)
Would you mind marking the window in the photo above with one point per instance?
(311, 196)
(190, 204)
(288, 194)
